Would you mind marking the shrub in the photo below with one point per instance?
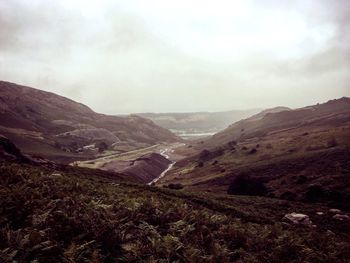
(315, 193)
(301, 179)
(253, 151)
(232, 144)
(332, 142)
(102, 146)
(175, 186)
(246, 185)
(205, 154)
(200, 164)
(268, 146)
(288, 195)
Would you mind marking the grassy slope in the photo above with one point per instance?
(280, 160)
(81, 215)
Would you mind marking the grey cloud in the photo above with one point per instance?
(120, 66)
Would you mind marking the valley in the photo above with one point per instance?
(147, 164)
(88, 187)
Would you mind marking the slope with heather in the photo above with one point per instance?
(334, 112)
(296, 155)
(58, 214)
(60, 129)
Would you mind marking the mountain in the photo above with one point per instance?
(333, 112)
(299, 154)
(197, 124)
(63, 130)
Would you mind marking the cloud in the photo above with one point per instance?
(129, 56)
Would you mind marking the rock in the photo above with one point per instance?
(298, 219)
(320, 213)
(333, 210)
(342, 217)
(330, 233)
(9, 151)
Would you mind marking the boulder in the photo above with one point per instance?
(9, 151)
(341, 217)
(333, 210)
(298, 219)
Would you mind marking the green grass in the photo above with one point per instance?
(77, 215)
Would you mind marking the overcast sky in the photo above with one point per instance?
(124, 56)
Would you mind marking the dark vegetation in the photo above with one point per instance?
(246, 185)
(82, 215)
(175, 186)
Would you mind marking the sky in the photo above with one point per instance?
(135, 56)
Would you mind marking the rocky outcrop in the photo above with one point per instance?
(9, 151)
(341, 217)
(298, 219)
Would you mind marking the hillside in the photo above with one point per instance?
(60, 129)
(333, 112)
(295, 155)
(69, 214)
(197, 124)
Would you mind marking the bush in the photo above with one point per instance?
(268, 146)
(253, 151)
(204, 155)
(246, 185)
(232, 144)
(200, 164)
(175, 186)
(301, 179)
(288, 195)
(102, 146)
(332, 142)
(315, 193)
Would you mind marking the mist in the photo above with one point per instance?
(165, 56)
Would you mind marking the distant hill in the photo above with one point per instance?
(63, 130)
(197, 123)
(280, 118)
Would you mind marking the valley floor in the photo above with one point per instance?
(128, 162)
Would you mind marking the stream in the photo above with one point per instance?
(170, 166)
